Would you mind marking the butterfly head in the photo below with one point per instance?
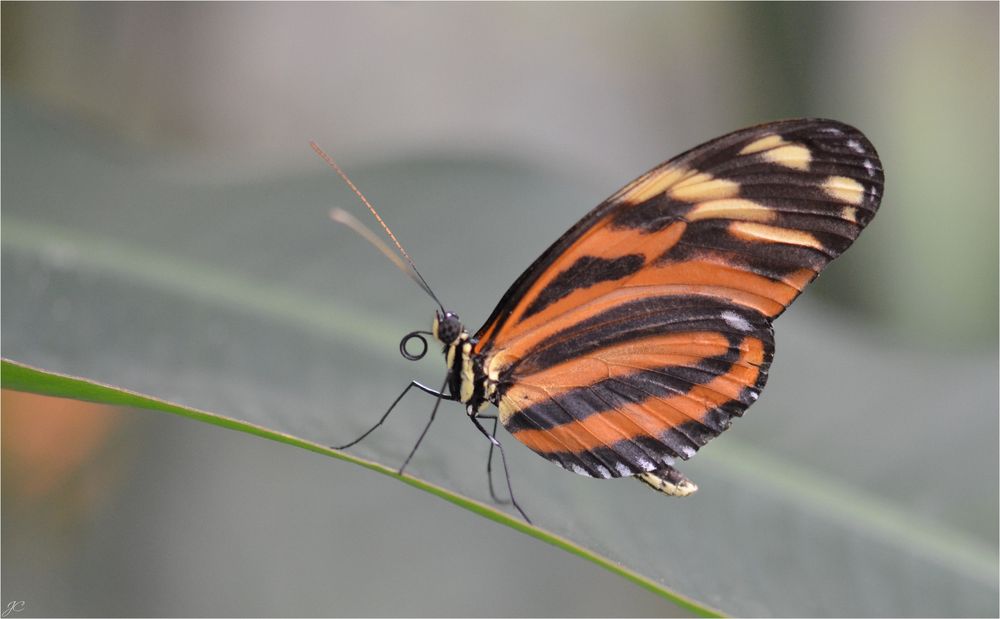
(447, 327)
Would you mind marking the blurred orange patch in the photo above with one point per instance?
(46, 441)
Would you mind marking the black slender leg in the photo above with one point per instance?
(437, 402)
(489, 461)
(503, 459)
(439, 394)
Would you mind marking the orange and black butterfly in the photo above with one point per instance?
(641, 332)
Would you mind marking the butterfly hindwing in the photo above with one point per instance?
(636, 385)
(640, 333)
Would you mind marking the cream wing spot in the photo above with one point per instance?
(755, 232)
(776, 150)
(844, 189)
(651, 185)
(795, 156)
(704, 187)
(764, 143)
(746, 210)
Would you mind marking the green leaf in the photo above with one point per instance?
(20, 377)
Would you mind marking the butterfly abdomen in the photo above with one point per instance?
(668, 480)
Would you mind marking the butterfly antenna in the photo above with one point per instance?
(343, 217)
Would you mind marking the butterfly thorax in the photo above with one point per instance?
(467, 381)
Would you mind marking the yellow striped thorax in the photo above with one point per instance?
(466, 378)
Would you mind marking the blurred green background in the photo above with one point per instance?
(164, 229)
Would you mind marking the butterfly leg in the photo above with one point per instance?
(438, 394)
(503, 458)
(489, 461)
(437, 402)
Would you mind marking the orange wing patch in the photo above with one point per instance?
(651, 417)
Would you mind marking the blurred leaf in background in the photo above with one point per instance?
(163, 229)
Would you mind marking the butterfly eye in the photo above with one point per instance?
(449, 328)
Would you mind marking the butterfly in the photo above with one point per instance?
(639, 335)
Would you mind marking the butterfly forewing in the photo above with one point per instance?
(640, 333)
